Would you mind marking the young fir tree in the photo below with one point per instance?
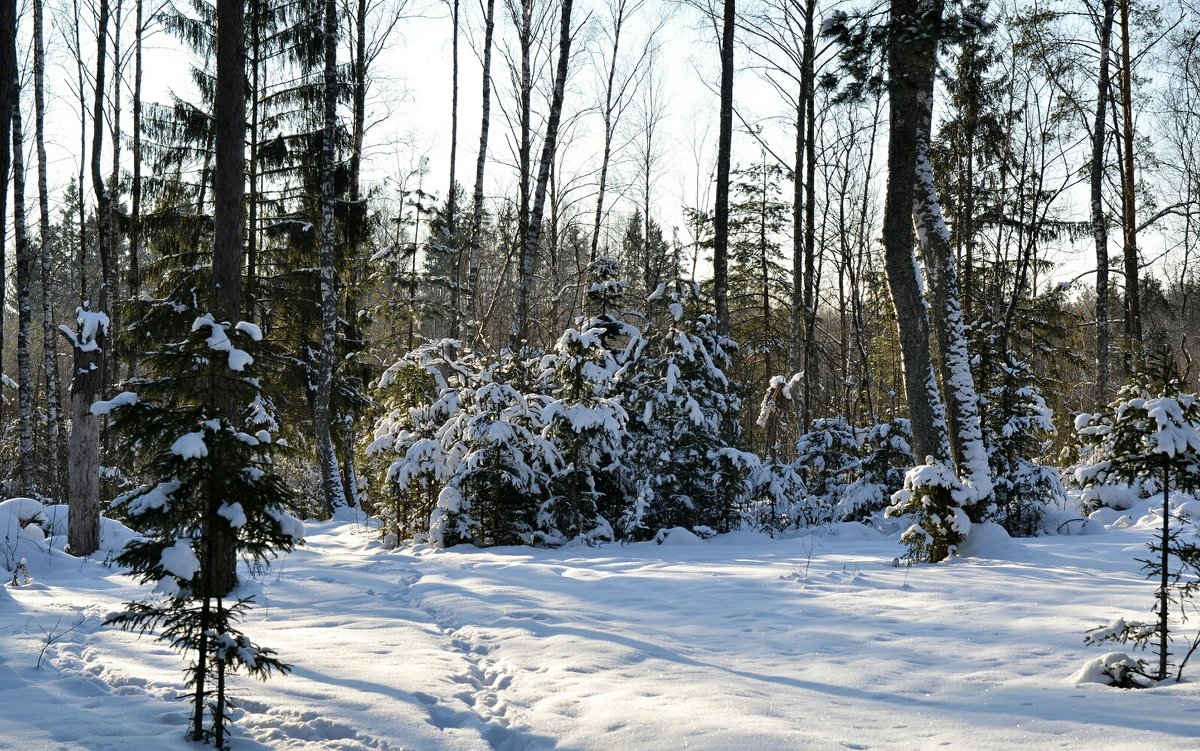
(500, 466)
(885, 454)
(1151, 432)
(827, 457)
(683, 413)
(214, 488)
(586, 422)
(405, 455)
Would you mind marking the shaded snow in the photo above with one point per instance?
(812, 642)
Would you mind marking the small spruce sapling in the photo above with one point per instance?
(1151, 432)
(215, 496)
(930, 496)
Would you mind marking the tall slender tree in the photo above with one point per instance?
(1099, 220)
(724, 154)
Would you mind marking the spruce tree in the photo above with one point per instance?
(213, 483)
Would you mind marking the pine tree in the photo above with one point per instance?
(199, 461)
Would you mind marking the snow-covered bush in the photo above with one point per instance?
(930, 496)
(498, 463)
(885, 455)
(419, 394)
(827, 458)
(1152, 430)
(1018, 427)
(586, 423)
(683, 414)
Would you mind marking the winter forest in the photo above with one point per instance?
(645, 373)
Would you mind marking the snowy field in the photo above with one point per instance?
(740, 642)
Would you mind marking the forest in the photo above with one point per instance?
(916, 265)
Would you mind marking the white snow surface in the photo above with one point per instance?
(810, 642)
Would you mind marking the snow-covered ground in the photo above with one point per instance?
(740, 642)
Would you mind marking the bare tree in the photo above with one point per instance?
(24, 263)
(54, 424)
(533, 224)
(473, 310)
(1099, 221)
(8, 97)
(724, 153)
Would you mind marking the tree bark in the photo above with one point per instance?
(911, 57)
(8, 96)
(527, 255)
(724, 155)
(331, 480)
(1099, 222)
(54, 423)
(808, 75)
(1133, 316)
(91, 342)
(480, 163)
(533, 227)
(24, 264)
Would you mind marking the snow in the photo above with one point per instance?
(813, 641)
(179, 560)
(234, 513)
(218, 340)
(249, 329)
(190, 446)
(123, 399)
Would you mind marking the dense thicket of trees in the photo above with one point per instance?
(899, 259)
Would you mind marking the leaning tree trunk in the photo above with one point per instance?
(1099, 223)
(724, 149)
(533, 228)
(90, 343)
(54, 423)
(331, 477)
(24, 259)
(910, 62)
(965, 435)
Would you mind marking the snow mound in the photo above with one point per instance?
(1111, 669)
(990, 540)
(677, 536)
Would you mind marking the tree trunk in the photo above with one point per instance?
(527, 256)
(533, 227)
(609, 125)
(331, 480)
(724, 155)
(911, 57)
(135, 198)
(965, 435)
(1099, 222)
(229, 136)
(54, 423)
(8, 95)
(1133, 316)
(811, 361)
(452, 195)
(91, 342)
(480, 162)
(24, 263)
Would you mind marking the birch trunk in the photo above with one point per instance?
(54, 423)
(24, 264)
(533, 227)
(527, 255)
(965, 434)
(8, 95)
(480, 163)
